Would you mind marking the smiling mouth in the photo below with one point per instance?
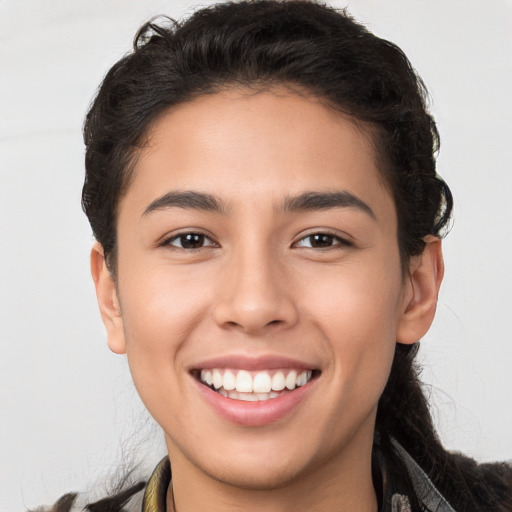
(254, 386)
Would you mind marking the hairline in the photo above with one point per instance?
(370, 130)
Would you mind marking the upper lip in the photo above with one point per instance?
(243, 362)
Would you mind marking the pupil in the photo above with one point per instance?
(192, 240)
(321, 240)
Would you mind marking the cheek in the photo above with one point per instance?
(160, 312)
(357, 310)
(362, 332)
(160, 304)
(354, 301)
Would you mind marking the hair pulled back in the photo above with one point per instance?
(259, 44)
(316, 50)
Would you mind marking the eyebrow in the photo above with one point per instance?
(307, 201)
(188, 200)
(326, 200)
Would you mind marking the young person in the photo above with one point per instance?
(261, 183)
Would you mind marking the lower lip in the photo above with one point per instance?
(255, 414)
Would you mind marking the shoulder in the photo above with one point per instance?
(141, 496)
(127, 500)
(487, 486)
(427, 494)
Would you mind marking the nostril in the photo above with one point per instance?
(254, 312)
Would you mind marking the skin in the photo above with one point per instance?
(259, 287)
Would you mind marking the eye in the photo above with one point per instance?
(190, 241)
(322, 241)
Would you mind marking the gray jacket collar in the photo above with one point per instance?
(426, 493)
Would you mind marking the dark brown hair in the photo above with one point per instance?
(258, 44)
(323, 51)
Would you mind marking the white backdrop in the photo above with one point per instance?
(69, 414)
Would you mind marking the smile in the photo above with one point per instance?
(254, 386)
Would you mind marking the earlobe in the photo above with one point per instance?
(108, 301)
(421, 290)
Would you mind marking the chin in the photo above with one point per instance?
(256, 477)
(260, 466)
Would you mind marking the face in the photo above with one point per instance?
(260, 291)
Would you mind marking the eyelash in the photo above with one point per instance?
(181, 236)
(332, 238)
(336, 240)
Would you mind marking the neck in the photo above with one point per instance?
(344, 482)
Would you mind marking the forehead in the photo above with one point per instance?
(244, 145)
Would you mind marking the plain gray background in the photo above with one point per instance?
(69, 414)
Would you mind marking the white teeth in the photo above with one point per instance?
(206, 376)
(262, 383)
(217, 379)
(244, 382)
(248, 397)
(243, 385)
(278, 381)
(291, 380)
(229, 381)
(302, 379)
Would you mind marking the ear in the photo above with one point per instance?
(421, 288)
(108, 301)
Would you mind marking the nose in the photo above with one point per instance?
(255, 296)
